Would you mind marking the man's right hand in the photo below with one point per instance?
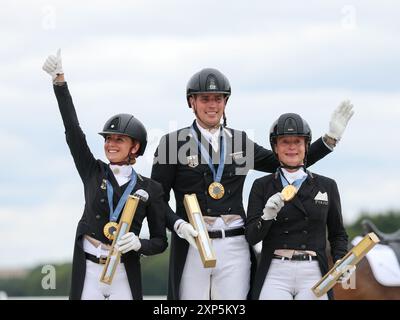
(187, 232)
(53, 65)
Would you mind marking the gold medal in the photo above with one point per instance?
(289, 192)
(109, 229)
(216, 190)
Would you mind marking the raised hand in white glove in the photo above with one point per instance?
(339, 119)
(128, 242)
(53, 65)
(273, 206)
(186, 231)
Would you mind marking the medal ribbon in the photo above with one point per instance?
(114, 214)
(297, 183)
(216, 175)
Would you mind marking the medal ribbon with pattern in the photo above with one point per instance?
(111, 226)
(215, 189)
(290, 189)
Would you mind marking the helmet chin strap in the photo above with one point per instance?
(130, 159)
(121, 163)
(286, 166)
(224, 117)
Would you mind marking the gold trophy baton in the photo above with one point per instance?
(203, 242)
(350, 259)
(124, 225)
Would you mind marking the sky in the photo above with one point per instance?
(137, 56)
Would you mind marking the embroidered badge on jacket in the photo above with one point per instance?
(193, 161)
(237, 155)
(321, 198)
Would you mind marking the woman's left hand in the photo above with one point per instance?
(347, 274)
(128, 242)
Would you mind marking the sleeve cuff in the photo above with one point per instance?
(177, 224)
(329, 146)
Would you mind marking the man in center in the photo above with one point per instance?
(212, 161)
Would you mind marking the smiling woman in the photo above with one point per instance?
(118, 147)
(122, 149)
(292, 225)
(107, 189)
(291, 150)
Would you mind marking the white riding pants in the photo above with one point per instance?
(93, 289)
(229, 279)
(291, 280)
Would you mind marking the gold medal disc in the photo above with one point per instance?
(289, 192)
(109, 229)
(216, 190)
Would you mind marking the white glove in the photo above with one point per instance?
(347, 274)
(187, 232)
(53, 65)
(128, 242)
(339, 120)
(273, 206)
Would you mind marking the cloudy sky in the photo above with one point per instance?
(136, 57)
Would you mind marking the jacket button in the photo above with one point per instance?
(286, 219)
(102, 200)
(230, 174)
(205, 192)
(93, 234)
(98, 216)
(259, 225)
(229, 209)
(229, 191)
(205, 174)
(305, 231)
(286, 232)
(284, 246)
(208, 210)
(303, 246)
(306, 218)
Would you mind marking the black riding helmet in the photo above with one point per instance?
(208, 80)
(128, 125)
(290, 124)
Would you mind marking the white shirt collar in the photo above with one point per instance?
(292, 176)
(212, 137)
(122, 171)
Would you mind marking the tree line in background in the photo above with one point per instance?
(155, 268)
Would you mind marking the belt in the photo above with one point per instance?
(297, 257)
(225, 233)
(93, 258)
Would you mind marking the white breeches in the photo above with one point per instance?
(291, 280)
(93, 289)
(230, 279)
